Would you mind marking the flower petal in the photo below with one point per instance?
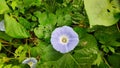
(69, 32)
(73, 43)
(64, 31)
(33, 60)
(2, 27)
(59, 47)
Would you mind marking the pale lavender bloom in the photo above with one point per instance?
(2, 27)
(31, 62)
(64, 39)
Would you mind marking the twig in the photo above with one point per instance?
(8, 50)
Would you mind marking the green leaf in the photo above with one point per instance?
(0, 46)
(24, 23)
(35, 51)
(3, 6)
(46, 18)
(16, 66)
(98, 60)
(116, 4)
(24, 66)
(14, 4)
(67, 61)
(8, 66)
(20, 53)
(114, 60)
(103, 13)
(48, 30)
(64, 20)
(80, 31)
(105, 48)
(1, 65)
(4, 36)
(49, 64)
(115, 43)
(111, 49)
(52, 19)
(39, 48)
(86, 41)
(29, 3)
(87, 52)
(2, 55)
(44, 32)
(53, 54)
(39, 31)
(85, 56)
(103, 37)
(34, 18)
(108, 35)
(103, 65)
(14, 29)
(41, 16)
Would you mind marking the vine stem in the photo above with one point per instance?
(106, 62)
(8, 50)
(118, 27)
(29, 55)
(9, 43)
(29, 52)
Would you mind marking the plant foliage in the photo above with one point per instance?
(29, 24)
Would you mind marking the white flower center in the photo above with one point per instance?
(64, 39)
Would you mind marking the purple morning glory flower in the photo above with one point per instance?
(31, 62)
(64, 39)
(2, 27)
